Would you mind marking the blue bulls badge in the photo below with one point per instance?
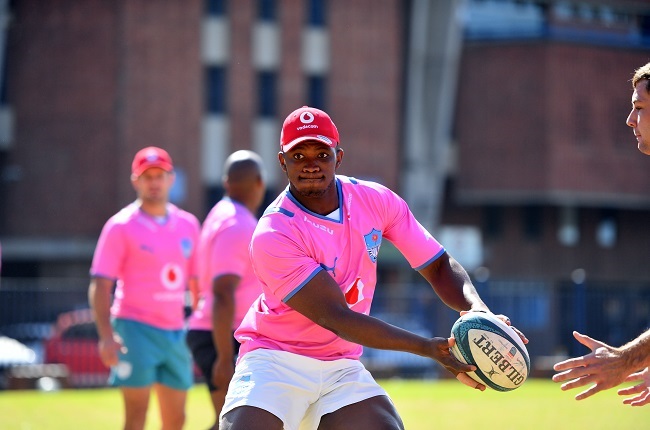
(186, 247)
(373, 242)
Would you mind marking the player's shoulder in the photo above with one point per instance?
(124, 216)
(182, 215)
(281, 208)
(350, 184)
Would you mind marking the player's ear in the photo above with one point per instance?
(339, 156)
(283, 166)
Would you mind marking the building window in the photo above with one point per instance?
(316, 89)
(607, 229)
(3, 85)
(267, 101)
(216, 89)
(215, 7)
(532, 222)
(493, 221)
(316, 13)
(266, 10)
(569, 231)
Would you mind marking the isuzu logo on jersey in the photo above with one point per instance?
(373, 242)
(318, 226)
(171, 276)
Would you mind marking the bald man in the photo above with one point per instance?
(227, 284)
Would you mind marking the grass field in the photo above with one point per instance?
(424, 405)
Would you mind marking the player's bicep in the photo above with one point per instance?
(321, 300)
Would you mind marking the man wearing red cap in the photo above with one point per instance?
(147, 252)
(315, 252)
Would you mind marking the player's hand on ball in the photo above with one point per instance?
(461, 369)
(506, 320)
(441, 353)
(641, 390)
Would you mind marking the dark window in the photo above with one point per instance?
(644, 27)
(266, 93)
(493, 221)
(266, 10)
(216, 7)
(216, 89)
(3, 86)
(316, 89)
(532, 222)
(316, 13)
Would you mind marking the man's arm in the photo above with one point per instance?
(195, 294)
(452, 284)
(322, 301)
(223, 313)
(100, 299)
(637, 352)
(605, 366)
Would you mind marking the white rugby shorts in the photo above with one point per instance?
(299, 390)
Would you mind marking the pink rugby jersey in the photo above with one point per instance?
(223, 250)
(151, 263)
(291, 245)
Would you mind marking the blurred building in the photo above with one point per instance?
(502, 122)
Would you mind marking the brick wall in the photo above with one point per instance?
(91, 83)
(545, 122)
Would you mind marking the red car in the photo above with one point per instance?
(74, 343)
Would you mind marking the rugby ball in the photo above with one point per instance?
(488, 343)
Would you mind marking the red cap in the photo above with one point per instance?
(151, 157)
(308, 123)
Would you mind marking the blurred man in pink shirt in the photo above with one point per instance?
(147, 252)
(315, 251)
(227, 284)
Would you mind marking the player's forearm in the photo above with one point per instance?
(99, 297)
(452, 284)
(223, 314)
(374, 333)
(637, 352)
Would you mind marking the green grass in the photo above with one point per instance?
(424, 405)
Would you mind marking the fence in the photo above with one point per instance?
(546, 312)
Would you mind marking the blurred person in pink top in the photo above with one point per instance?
(315, 251)
(227, 284)
(147, 253)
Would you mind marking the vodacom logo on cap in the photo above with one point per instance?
(307, 117)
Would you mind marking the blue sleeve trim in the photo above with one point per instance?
(431, 260)
(278, 209)
(299, 287)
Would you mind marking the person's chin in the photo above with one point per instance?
(644, 148)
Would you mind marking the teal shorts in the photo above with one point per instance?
(153, 356)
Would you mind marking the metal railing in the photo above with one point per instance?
(546, 312)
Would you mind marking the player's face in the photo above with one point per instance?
(153, 185)
(310, 167)
(639, 117)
